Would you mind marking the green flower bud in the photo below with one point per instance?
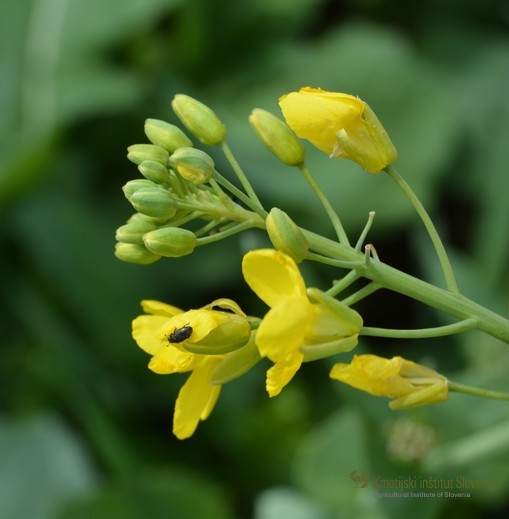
(137, 153)
(192, 164)
(135, 185)
(166, 135)
(285, 235)
(171, 242)
(156, 203)
(132, 253)
(199, 119)
(133, 232)
(154, 171)
(277, 137)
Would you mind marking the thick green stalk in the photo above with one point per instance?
(451, 303)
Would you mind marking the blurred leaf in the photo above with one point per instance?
(156, 494)
(43, 465)
(283, 502)
(62, 71)
(328, 456)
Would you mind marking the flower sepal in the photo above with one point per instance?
(324, 350)
(237, 363)
(428, 395)
(335, 318)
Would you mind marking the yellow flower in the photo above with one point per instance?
(195, 341)
(301, 324)
(411, 384)
(340, 125)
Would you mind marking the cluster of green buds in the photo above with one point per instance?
(177, 188)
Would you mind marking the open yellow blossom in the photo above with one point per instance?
(410, 384)
(301, 324)
(341, 125)
(196, 341)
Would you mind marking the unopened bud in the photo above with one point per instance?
(135, 185)
(166, 135)
(133, 232)
(133, 253)
(193, 165)
(199, 119)
(285, 235)
(171, 242)
(277, 137)
(156, 203)
(154, 171)
(138, 153)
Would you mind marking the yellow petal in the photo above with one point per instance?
(171, 360)
(317, 115)
(157, 308)
(272, 275)
(196, 399)
(283, 329)
(145, 332)
(375, 375)
(282, 372)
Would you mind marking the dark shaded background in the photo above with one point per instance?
(85, 428)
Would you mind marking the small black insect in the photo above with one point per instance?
(181, 334)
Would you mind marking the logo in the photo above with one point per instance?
(360, 478)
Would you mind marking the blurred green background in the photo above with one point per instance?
(85, 428)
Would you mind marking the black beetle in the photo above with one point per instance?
(181, 334)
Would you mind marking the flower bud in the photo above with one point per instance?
(134, 185)
(285, 235)
(166, 135)
(154, 171)
(277, 137)
(156, 203)
(171, 242)
(133, 232)
(137, 153)
(199, 119)
(133, 253)
(193, 165)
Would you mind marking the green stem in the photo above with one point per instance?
(343, 283)
(331, 261)
(367, 227)
(422, 333)
(224, 234)
(336, 222)
(430, 227)
(361, 294)
(235, 191)
(240, 174)
(469, 390)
